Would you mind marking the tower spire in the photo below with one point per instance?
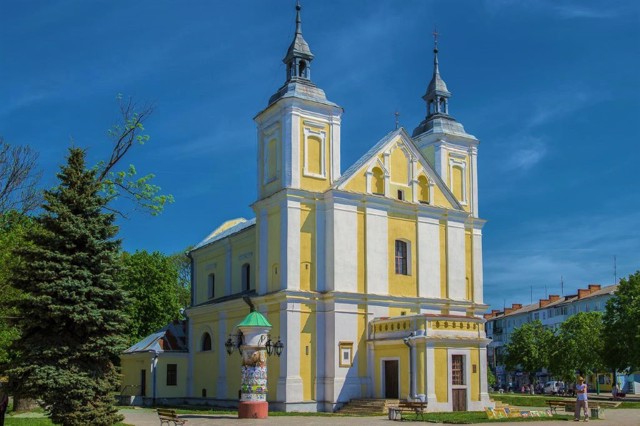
(437, 96)
(299, 56)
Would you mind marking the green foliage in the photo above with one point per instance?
(71, 319)
(491, 378)
(622, 326)
(529, 348)
(578, 346)
(154, 292)
(183, 266)
(125, 183)
(13, 227)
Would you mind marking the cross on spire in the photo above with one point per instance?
(435, 38)
(397, 114)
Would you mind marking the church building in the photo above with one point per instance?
(370, 277)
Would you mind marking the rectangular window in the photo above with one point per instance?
(172, 374)
(457, 370)
(400, 194)
(401, 258)
(346, 354)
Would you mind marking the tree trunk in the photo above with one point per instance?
(23, 404)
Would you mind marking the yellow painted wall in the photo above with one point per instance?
(205, 363)
(273, 219)
(401, 227)
(361, 252)
(273, 365)
(233, 368)
(213, 262)
(395, 311)
(239, 248)
(458, 176)
(314, 183)
(468, 251)
(307, 354)
(475, 377)
(307, 246)
(442, 371)
(131, 365)
(164, 391)
(358, 183)
(399, 167)
(439, 198)
(392, 351)
(444, 291)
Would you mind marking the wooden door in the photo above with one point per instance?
(391, 379)
(459, 397)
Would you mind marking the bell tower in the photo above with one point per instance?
(444, 142)
(299, 131)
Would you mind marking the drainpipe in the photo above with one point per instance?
(412, 379)
(154, 365)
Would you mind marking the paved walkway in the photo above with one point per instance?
(620, 417)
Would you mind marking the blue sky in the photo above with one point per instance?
(551, 89)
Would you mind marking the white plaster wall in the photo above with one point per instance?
(345, 247)
(478, 280)
(376, 251)
(428, 257)
(346, 383)
(290, 248)
(290, 382)
(456, 270)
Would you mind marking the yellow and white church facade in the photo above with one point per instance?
(372, 277)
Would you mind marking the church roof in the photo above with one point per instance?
(227, 229)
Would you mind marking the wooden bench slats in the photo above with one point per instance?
(167, 416)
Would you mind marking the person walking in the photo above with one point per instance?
(581, 400)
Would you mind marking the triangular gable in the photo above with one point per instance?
(354, 176)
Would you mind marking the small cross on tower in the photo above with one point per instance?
(397, 114)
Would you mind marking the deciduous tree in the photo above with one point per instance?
(578, 346)
(19, 178)
(154, 291)
(72, 323)
(529, 348)
(622, 326)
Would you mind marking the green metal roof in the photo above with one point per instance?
(254, 319)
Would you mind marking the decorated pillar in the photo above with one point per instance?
(254, 336)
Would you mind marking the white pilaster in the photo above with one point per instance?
(228, 271)
(192, 350)
(321, 247)
(345, 247)
(290, 244)
(430, 374)
(484, 383)
(290, 382)
(428, 257)
(335, 148)
(221, 385)
(263, 256)
(456, 271)
(478, 285)
(288, 171)
(473, 153)
(377, 253)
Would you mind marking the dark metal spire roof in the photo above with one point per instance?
(437, 86)
(299, 47)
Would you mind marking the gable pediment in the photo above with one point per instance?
(395, 168)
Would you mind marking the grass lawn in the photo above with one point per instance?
(38, 421)
(523, 400)
(466, 417)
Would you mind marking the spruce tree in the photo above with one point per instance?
(72, 320)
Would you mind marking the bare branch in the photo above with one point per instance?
(19, 178)
(127, 133)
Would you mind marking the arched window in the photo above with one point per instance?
(402, 257)
(302, 69)
(205, 344)
(246, 277)
(211, 285)
(423, 190)
(377, 183)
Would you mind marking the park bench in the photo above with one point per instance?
(417, 407)
(167, 416)
(554, 404)
(569, 406)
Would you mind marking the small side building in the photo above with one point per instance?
(155, 368)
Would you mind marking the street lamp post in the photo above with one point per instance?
(254, 344)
